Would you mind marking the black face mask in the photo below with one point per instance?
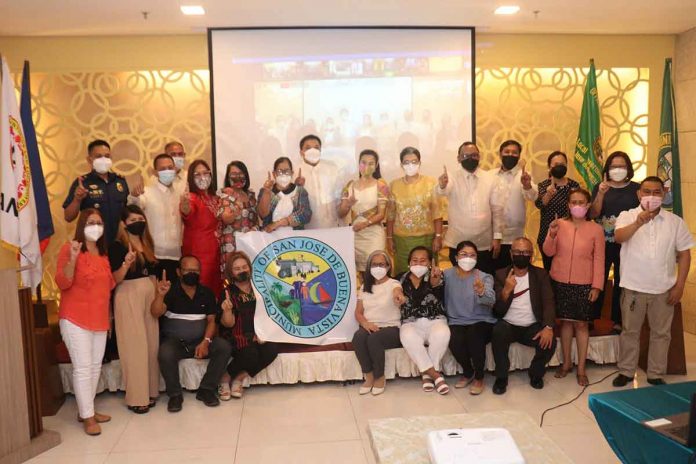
(521, 261)
(136, 228)
(559, 171)
(510, 162)
(470, 164)
(191, 279)
(242, 277)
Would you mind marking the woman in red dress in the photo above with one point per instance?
(199, 207)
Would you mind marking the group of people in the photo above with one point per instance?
(163, 256)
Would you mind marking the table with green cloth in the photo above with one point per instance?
(620, 413)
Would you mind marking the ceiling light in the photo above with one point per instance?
(194, 10)
(507, 10)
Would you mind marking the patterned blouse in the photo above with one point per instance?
(413, 207)
(245, 219)
(359, 210)
(557, 207)
(302, 211)
(424, 301)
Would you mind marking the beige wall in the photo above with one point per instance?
(685, 95)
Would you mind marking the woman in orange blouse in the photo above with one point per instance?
(577, 273)
(84, 278)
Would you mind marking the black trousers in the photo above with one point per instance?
(468, 346)
(370, 347)
(171, 351)
(504, 259)
(504, 334)
(484, 260)
(612, 256)
(252, 359)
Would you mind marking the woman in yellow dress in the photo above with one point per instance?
(414, 215)
(366, 201)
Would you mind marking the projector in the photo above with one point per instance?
(482, 446)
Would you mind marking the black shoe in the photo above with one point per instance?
(500, 386)
(621, 380)
(208, 397)
(657, 381)
(175, 402)
(536, 382)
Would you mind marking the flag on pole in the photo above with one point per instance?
(43, 209)
(668, 156)
(18, 214)
(588, 147)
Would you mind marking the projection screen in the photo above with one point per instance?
(356, 88)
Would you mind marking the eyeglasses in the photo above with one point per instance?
(470, 155)
(281, 172)
(521, 253)
(201, 174)
(466, 255)
(411, 163)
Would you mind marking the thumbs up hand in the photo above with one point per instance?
(185, 203)
(553, 227)
(479, 286)
(525, 178)
(75, 248)
(80, 191)
(443, 180)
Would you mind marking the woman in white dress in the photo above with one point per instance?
(366, 201)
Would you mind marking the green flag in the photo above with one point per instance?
(588, 147)
(668, 157)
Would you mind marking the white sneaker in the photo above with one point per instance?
(224, 391)
(237, 389)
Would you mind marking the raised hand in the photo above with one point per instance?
(525, 178)
(227, 302)
(443, 179)
(163, 285)
(80, 191)
(185, 203)
(351, 198)
(510, 281)
(645, 216)
(138, 189)
(552, 190)
(75, 248)
(300, 180)
(268, 184)
(130, 256)
(553, 227)
(435, 272)
(479, 286)
(604, 185)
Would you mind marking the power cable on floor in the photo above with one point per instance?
(541, 422)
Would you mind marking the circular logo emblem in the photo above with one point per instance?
(304, 283)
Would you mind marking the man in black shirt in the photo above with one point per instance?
(100, 189)
(187, 328)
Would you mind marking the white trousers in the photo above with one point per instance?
(86, 350)
(433, 332)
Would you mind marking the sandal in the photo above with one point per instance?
(464, 382)
(441, 385)
(139, 409)
(152, 403)
(428, 384)
(583, 381)
(561, 373)
(237, 389)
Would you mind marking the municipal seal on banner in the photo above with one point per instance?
(304, 283)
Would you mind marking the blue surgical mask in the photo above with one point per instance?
(167, 176)
(178, 161)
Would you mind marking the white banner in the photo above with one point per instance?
(304, 282)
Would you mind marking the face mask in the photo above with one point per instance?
(521, 261)
(202, 182)
(466, 264)
(366, 170)
(242, 277)
(191, 278)
(378, 272)
(283, 181)
(470, 164)
(411, 169)
(167, 176)
(650, 203)
(559, 171)
(136, 228)
(618, 174)
(178, 162)
(102, 165)
(237, 183)
(94, 232)
(578, 212)
(419, 270)
(312, 155)
(510, 162)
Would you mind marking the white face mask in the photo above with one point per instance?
(283, 181)
(167, 176)
(102, 165)
(618, 174)
(466, 264)
(378, 272)
(94, 232)
(178, 162)
(203, 182)
(419, 270)
(411, 169)
(312, 155)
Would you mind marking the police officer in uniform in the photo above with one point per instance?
(100, 189)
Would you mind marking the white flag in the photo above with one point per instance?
(304, 282)
(18, 229)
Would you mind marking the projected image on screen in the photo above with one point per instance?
(383, 89)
